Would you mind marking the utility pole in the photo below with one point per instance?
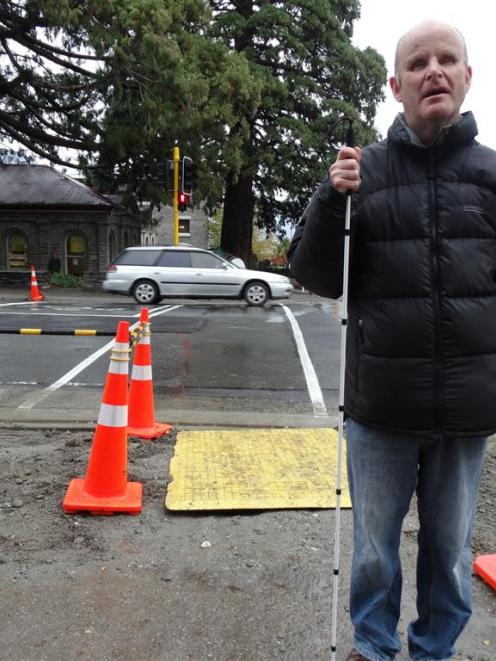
(175, 158)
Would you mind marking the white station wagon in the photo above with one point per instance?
(151, 273)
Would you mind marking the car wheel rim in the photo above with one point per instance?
(256, 294)
(145, 293)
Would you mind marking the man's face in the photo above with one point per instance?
(432, 77)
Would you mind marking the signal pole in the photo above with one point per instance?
(175, 158)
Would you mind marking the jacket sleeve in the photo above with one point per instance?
(316, 250)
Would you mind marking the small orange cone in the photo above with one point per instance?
(105, 488)
(485, 566)
(36, 295)
(141, 404)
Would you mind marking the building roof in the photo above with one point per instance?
(43, 186)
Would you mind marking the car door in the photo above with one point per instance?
(135, 264)
(174, 273)
(213, 276)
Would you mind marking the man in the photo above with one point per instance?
(54, 261)
(421, 341)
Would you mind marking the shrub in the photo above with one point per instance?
(65, 280)
(281, 270)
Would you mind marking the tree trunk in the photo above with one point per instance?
(237, 222)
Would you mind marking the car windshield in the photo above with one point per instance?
(231, 260)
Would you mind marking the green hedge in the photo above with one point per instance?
(281, 270)
(65, 280)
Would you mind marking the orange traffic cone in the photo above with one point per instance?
(105, 488)
(485, 566)
(141, 405)
(36, 295)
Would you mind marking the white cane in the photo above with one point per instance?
(342, 370)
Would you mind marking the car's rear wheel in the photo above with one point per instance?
(256, 293)
(145, 292)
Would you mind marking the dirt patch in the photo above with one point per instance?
(168, 586)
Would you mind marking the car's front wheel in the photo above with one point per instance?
(256, 293)
(145, 292)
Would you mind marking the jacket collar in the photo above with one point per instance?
(457, 134)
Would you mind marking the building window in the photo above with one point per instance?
(76, 254)
(184, 227)
(17, 251)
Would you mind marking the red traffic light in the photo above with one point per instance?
(183, 201)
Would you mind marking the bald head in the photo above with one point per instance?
(431, 77)
(408, 40)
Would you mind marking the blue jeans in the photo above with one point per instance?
(384, 470)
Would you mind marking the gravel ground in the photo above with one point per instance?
(179, 587)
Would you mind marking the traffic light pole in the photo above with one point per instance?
(175, 158)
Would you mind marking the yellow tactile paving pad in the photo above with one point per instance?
(256, 469)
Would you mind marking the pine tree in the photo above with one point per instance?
(50, 82)
(309, 74)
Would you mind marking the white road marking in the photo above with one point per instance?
(158, 311)
(2, 305)
(38, 397)
(314, 390)
(153, 313)
(72, 314)
(18, 383)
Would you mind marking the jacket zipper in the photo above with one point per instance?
(359, 350)
(436, 292)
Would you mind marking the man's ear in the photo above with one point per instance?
(468, 78)
(395, 88)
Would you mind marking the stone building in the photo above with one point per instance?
(44, 214)
(193, 228)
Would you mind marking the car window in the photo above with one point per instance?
(177, 259)
(202, 260)
(137, 257)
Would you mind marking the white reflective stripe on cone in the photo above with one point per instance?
(141, 373)
(119, 366)
(120, 346)
(112, 415)
(145, 339)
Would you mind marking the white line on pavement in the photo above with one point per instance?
(18, 383)
(73, 314)
(158, 311)
(2, 305)
(316, 397)
(38, 397)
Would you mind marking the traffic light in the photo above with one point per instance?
(183, 200)
(188, 175)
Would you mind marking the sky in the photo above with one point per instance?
(382, 22)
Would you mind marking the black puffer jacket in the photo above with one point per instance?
(421, 347)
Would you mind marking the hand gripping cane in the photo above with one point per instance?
(342, 368)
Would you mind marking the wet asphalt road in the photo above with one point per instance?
(213, 362)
